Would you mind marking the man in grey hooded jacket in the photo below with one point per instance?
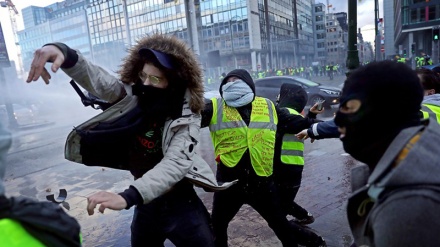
(397, 194)
(151, 130)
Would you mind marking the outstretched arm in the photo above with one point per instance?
(46, 54)
(321, 130)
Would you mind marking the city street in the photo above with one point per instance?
(37, 168)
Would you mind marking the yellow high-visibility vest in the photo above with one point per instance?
(431, 111)
(292, 148)
(231, 136)
(13, 234)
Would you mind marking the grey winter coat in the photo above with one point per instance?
(180, 136)
(399, 204)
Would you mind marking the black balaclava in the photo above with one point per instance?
(390, 95)
(293, 96)
(240, 73)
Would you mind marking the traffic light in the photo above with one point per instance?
(413, 48)
(404, 52)
(435, 34)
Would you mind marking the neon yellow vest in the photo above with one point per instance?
(231, 137)
(292, 148)
(12, 234)
(431, 111)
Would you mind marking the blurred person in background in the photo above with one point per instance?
(27, 222)
(430, 82)
(151, 130)
(397, 192)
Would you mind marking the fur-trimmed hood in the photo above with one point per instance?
(189, 69)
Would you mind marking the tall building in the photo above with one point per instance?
(342, 19)
(225, 34)
(365, 50)
(336, 41)
(33, 16)
(108, 31)
(305, 32)
(249, 34)
(66, 22)
(414, 22)
(32, 38)
(388, 18)
(320, 32)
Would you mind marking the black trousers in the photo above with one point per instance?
(288, 181)
(261, 194)
(179, 215)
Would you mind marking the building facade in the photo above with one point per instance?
(305, 32)
(414, 21)
(225, 34)
(320, 32)
(336, 41)
(388, 18)
(65, 22)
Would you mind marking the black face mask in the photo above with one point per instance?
(367, 135)
(153, 100)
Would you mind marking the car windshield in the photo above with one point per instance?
(307, 82)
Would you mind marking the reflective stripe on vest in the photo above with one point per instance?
(292, 148)
(12, 234)
(431, 111)
(231, 137)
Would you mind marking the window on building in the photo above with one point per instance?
(431, 12)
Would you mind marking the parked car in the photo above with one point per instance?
(269, 87)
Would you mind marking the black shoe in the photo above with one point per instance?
(309, 219)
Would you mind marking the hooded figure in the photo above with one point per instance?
(292, 96)
(152, 129)
(27, 222)
(243, 129)
(239, 92)
(289, 158)
(371, 121)
(401, 188)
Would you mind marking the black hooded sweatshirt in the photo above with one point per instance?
(293, 97)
